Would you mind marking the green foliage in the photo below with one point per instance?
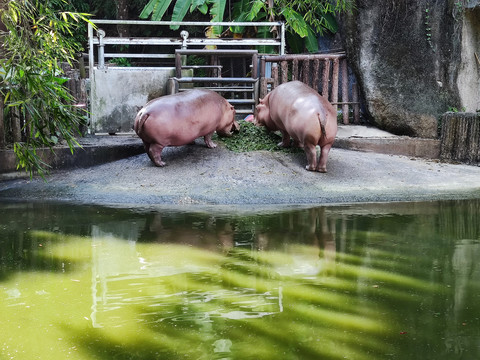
(304, 18)
(156, 9)
(455, 109)
(254, 138)
(38, 39)
(180, 10)
(217, 11)
(124, 62)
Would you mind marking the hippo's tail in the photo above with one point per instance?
(140, 122)
(322, 125)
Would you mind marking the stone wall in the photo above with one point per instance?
(414, 60)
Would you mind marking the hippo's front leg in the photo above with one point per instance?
(285, 140)
(208, 141)
(155, 154)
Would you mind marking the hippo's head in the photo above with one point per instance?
(228, 125)
(262, 113)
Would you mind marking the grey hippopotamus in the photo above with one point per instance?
(299, 112)
(179, 119)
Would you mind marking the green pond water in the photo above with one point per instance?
(378, 281)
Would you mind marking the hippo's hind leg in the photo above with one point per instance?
(208, 141)
(322, 162)
(155, 154)
(311, 152)
(147, 149)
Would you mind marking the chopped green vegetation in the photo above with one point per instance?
(253, 138)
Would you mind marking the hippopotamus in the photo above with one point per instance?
(301, 113)
(179, 119)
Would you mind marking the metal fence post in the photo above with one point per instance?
(101, 49)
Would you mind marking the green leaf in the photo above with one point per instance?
(203, 9)
(264, 33)
(148, 9)
(60, 80)
(311, 41)
(179, 11)
(160, 9)
(156, 8)
(257, 6)
(200, 5)
(239, 29)
(295, 21)
(216, 12)
(330, 22)
(295, 42)
(245, 11)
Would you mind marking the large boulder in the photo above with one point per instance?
(414, 60)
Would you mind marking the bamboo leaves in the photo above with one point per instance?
(37, 40)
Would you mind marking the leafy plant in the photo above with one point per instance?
(304, 19)
(38, 39)
(455, 109)
(254, 138)
(124, 62)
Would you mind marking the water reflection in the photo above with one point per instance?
(362, 281)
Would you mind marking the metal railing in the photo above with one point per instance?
(242, 92)
(183, 41)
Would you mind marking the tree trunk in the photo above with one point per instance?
(122, 14)
(3, 4)
(2, 125)
(3, 28)
(15, 123)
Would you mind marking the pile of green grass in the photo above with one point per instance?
(254, 138)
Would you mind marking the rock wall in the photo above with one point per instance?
(414, 60)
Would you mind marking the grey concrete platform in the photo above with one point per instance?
(198, 176)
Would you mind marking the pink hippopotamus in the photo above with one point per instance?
(299, 112)
(179, 119)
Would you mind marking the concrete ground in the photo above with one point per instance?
(196, 175)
